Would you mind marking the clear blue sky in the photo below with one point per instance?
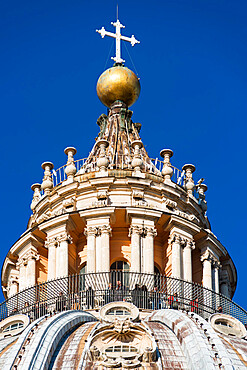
(192, 66)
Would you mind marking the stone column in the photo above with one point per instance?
(175, 241)
(62, 255)
(90, 233)
(187, 259)
(13, 287)
(206, 259)
(22, 265)
(12, 291)
(135, 234)
(217, 266)
(98, 251)
(224, 283)
(105, 248)
(148, 250)
(31, 257)
(51, 246)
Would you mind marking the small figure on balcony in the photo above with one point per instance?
(109, 294)
(173, 301)
(61, 303)
(135, 295)
(194, 305)
(219, 309)
(90, 298)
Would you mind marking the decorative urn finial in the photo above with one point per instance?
(70, 169)
(47, 183)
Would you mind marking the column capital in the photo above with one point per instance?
(90, 231)
(32, 255)
(135, 229)
(174, 238)
(51, 242)
(64, 237)
(189, 243)
(207, 255)
(217, 264)
(106, 229)
(151, 231)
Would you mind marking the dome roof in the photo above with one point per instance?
(164, 338)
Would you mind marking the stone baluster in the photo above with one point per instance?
(202, 188)
(206, 258)
(70, 169)
(47, 183)
(36, 195)
(102, 161)
(148, 250)
(51, 244)
(189, 182)
(135, 234)
(167, 170)
(105, 248)
(62, 255)
(175, 241)
(90, 233)
(137, 162)
(189, 245)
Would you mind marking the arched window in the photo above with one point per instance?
(120, 272)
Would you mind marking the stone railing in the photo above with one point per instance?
(119, 162)
(93, 290)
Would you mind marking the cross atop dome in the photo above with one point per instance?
(118, 38)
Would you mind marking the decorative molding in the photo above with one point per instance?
(169, 204)
(138, 195)
(68, 203)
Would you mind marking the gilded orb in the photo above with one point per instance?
(118, 83)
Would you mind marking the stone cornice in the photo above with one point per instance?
(97, 212)
(183, 224)
(141, 213)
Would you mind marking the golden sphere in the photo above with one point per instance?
(118, 83)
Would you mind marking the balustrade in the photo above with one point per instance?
(91, 290)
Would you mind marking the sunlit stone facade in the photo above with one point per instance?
(119, 267)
